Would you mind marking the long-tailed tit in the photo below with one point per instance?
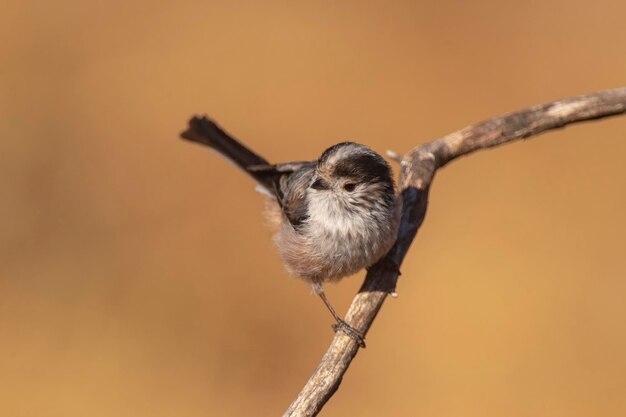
(333, 216)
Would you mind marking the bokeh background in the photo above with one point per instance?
(137, 277)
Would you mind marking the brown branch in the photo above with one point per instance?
(417, 172)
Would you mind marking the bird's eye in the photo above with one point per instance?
(349, 187)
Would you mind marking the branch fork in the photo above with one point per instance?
(418, 168)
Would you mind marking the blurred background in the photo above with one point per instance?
(137, 277)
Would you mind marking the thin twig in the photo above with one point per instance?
(417, 172)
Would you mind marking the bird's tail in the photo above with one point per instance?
(204, 131)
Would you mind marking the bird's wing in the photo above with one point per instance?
(294, 190)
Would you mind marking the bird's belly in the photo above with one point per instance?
(331, 253)
(331, 246)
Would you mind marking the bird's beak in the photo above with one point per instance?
(320, 184)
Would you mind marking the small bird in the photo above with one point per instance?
(333, 216)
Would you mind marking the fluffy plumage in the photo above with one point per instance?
(333, 216)
(342, 213)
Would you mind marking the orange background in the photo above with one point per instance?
(137, 277)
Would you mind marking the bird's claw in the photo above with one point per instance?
(350, 331)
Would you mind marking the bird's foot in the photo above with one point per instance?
(353, 333)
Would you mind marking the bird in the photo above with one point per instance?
(332, 216)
